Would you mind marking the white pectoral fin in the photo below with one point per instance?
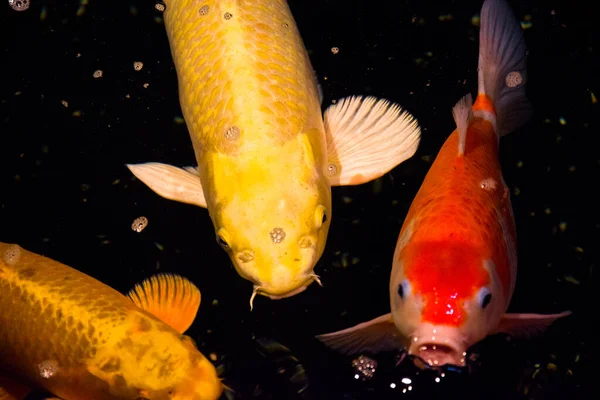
(527, 325)
(379, 334)
(171, 182)
(366, 138)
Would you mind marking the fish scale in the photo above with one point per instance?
(224, 65)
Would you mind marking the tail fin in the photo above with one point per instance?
(502, 65)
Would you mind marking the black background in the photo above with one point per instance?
(65, 191)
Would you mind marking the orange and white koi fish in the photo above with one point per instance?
(455, 263)
(67, 333)
(267, 157)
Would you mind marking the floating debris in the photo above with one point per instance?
(139, 224)
(159, 246)
(335, 50)
(593, 97)
(562, 121)
(475, 20)
(65, 103)
(98, 73)
(178, 120)
(527, 22)
(572, 279)
(138, 65)
(364, 367)
(160, 7)
(19, 5)
(445, 17)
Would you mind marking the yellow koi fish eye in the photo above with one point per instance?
(320, 216)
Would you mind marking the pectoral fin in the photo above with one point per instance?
(11, 390)
(170, 182)
(366, 138)
(527, 325)
(172, 298)
(379, 334)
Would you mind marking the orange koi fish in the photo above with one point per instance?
(67, 333)
(455, 263)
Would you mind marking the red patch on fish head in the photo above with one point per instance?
(445, 275)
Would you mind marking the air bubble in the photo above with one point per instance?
(364, 367)
(139, 224)
(204, 10)
(228, 16)
(488, 184)
(331, 169)
(277, 235)
(12, 254)
(48, 368)
(232, 133)
(19, 5)
(514, 79)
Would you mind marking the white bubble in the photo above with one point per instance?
(19, 5)
(48, 368)
(488, 184)
(514, 79)
(139, 224)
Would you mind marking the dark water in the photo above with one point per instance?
(65, 191)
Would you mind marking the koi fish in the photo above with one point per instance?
(67, 333)
(267, 157)
(455, 263)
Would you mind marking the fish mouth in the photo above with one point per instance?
(438, 345)
(438, 354)
(261, 290)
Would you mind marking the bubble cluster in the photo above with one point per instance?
(98, 73)
(138, 65)
(228, 16)
(335, 50)
(48, 368)
(139, 224)
(514, 79)
(488, 184)
(160, 7)
(232, 133)
(12, 254)
(204, 10)
(364, 367)
(19, 5)
(331, 169)
(277, 235)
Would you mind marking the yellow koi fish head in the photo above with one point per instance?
(271, 212)
(155, 362)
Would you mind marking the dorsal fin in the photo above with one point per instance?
(462, 113)
(171, 298)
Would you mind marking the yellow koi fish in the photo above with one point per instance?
(267, 156)
(69, 334)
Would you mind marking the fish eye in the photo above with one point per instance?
(403, 288)
(320, 216)
(484, 297)
(222, 242)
